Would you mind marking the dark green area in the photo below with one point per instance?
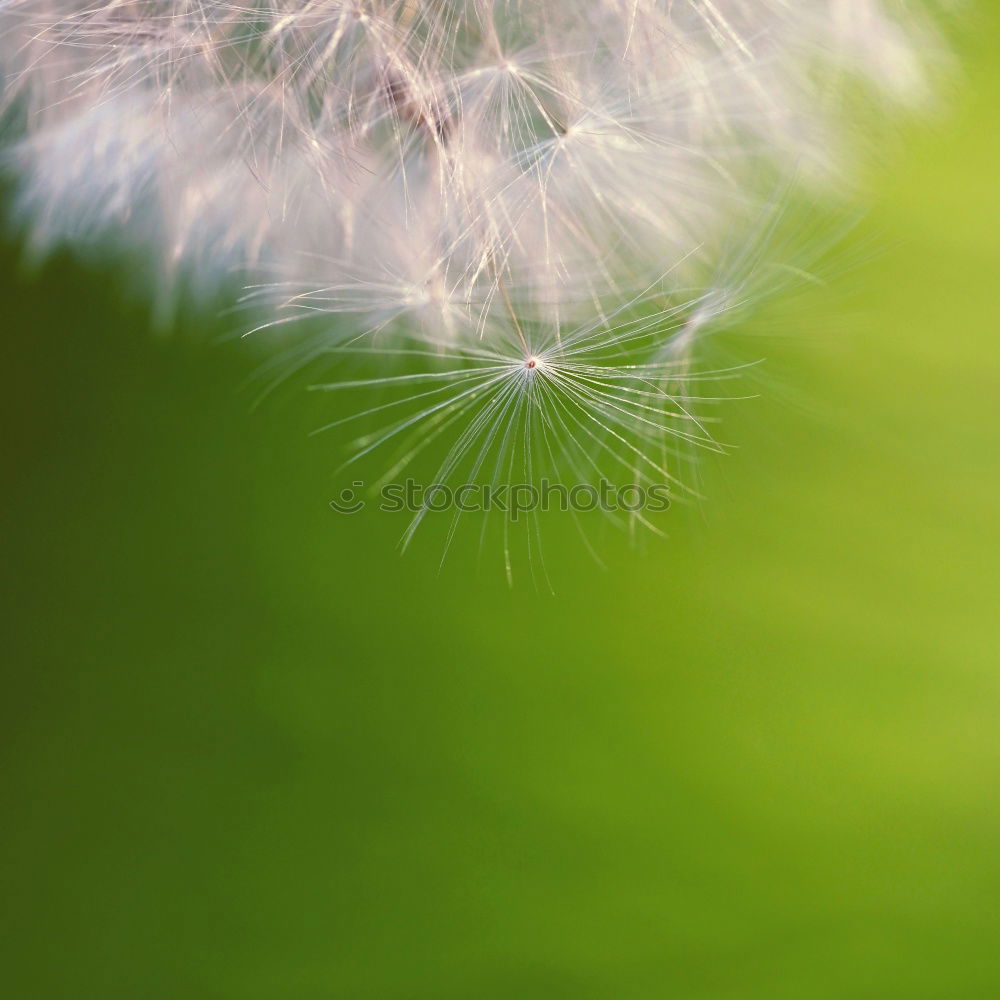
(250, 753)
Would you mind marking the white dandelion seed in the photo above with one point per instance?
(481, 183)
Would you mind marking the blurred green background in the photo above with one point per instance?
(251, 753)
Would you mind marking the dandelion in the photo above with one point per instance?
(540, 206)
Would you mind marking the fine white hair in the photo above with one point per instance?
(497, 179)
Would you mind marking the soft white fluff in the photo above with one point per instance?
(496, 178)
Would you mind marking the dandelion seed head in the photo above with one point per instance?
(466, 172)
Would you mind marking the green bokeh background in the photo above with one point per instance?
(251, 753)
